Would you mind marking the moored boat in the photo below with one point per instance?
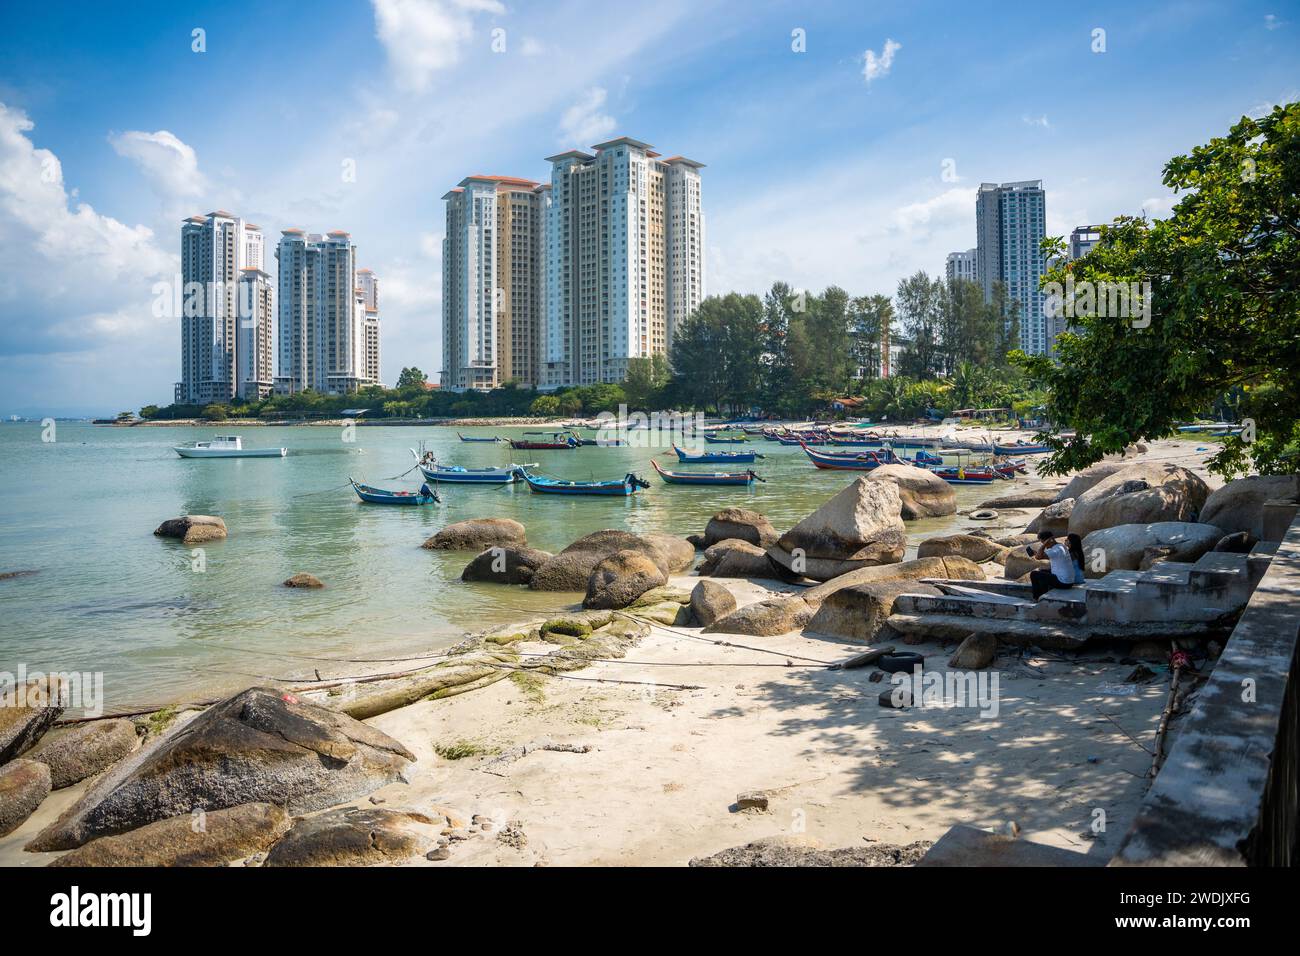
(865, 461)
(725, 439)
(379, 496)
(226, 446)
(716, 457)
(456, 474)
(627, 485)
(560, 441)
(705, 477)
(491, 438)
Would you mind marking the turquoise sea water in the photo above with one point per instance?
(108, 596)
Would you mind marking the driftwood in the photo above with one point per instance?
(863, 659)
(1173, 703)
(515, 753)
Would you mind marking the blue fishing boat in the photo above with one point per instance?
(716, 457)
(378, 496)
(705, 477)
(1020, 448)
(493, 438)
(725, 439)
(627, 485)
(863, 461)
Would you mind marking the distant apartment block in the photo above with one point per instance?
(1082, 239)
(224, 347)
(1010, 225)
(368, 288)
(491, 282)
(961, 265)
(625, 258)
(326, 335)
(562, 283)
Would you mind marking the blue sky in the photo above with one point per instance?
(112, 129)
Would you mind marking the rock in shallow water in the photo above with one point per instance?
(193, 529)
(26, 713)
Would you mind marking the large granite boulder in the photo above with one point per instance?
(26, 713)
(1133, 547)
(475, 534)
(1089, 477)
(858, 612)
(193, 529)
(779, 615)
(85, 750)
(498, 565)
(1140, 493)
(923, 493)
(1054, 518)
(571, 568)
(859, 527)
(949, 567)
(734, 558)
(261, 745)
(192, 839)
(620, 579)
(23, 785)
(1025, 498)
(1239, 505)
(967, 546)
(1018, 564)
(710, 601)
(352, 836)
(740, 523)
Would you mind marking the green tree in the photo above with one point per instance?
(544, 406)
(215, 413)
(411, 378)
(920, 307)
(644, 385)
(1223, 309)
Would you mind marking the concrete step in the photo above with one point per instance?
(986, 605)
(1047, 634)
(1066, 605)
(993, 586)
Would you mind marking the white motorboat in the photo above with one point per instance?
(226, 446)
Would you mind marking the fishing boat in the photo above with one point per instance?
(378, 496)
(226, 446)
(492, 438)
(865, 461)
(560, 441)
(455, 474)
(705, 477)
(1020, 448)
(716, 457)
(967, 476)
(627, 485)
(725, 439)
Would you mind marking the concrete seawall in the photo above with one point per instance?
(1226, 795)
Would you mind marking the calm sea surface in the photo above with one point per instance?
(108, 596)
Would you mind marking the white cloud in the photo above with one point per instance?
(422, 37)
(1271, 22)
(920, 219)
(170, 164)
(1036, 121)
(82, 282)
(873, 66)
(532, 47)
(583, 123)
(1159, 207)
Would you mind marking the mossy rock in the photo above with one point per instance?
(512, 635)
(666, 612)
(564, 631)
(662, 595)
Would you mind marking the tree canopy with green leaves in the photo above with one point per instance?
(1224, 310)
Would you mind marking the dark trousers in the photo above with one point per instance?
(1044, 581)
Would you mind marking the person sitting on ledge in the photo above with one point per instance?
(1062, 573)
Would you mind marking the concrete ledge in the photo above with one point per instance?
(968, 846)
(1226, 795)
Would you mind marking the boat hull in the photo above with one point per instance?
(601, 489)
(713, 479)
(230, 452)
(716, 457)
(471, 476)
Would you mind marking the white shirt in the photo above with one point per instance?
(1062, 564)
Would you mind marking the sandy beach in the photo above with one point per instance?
(650, 752)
